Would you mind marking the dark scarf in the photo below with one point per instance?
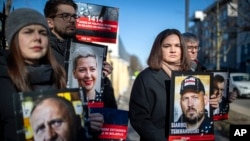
(41, 77)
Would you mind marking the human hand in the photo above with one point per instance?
(96, 121)
(232, 96)
(107, 68)
(214, 101)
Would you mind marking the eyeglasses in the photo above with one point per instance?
(66, 16)
(193, 47)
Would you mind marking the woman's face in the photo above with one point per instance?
(171, 49)
(33, 43)
(86, 72)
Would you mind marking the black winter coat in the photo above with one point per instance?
(8, 121)
(8, 125)
(148, 105)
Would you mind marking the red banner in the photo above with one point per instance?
(110, 131)
(86, 23)
(97, 23)
(192, 137)
(95, 104)
(95, 39)
(220, 117)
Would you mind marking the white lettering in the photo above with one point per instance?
(239, 132)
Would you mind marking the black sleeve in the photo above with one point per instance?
(141, 111)
(108, 94)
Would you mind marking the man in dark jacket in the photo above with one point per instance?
(61, 17)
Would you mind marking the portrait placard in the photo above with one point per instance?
(221, 90)
(85, 50)
(34, 115)
(191, 116)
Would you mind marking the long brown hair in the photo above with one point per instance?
(19, 74)
(155, 58)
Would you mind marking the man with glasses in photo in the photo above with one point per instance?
(192, 43)
(219, 91)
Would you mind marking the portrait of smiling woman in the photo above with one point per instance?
(85, 70)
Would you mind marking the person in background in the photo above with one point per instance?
(54, 118)
(192, 44)
(61, 17)
(193, 101)
(28, 66)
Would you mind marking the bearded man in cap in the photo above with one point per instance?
(193, 101)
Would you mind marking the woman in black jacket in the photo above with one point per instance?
(28, 65)
(148, 101)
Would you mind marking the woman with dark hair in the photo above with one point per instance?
(148, 101)
(29, 64)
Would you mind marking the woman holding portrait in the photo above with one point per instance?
(28, 65)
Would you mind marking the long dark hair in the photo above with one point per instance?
(19, 74)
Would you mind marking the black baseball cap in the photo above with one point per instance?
(191, 83)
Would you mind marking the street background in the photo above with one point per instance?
(239, 114)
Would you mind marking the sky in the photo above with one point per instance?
(139, 20)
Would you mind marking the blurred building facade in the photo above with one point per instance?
(223, 30)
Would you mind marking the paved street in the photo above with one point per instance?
(123, 104)
(237, 115)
